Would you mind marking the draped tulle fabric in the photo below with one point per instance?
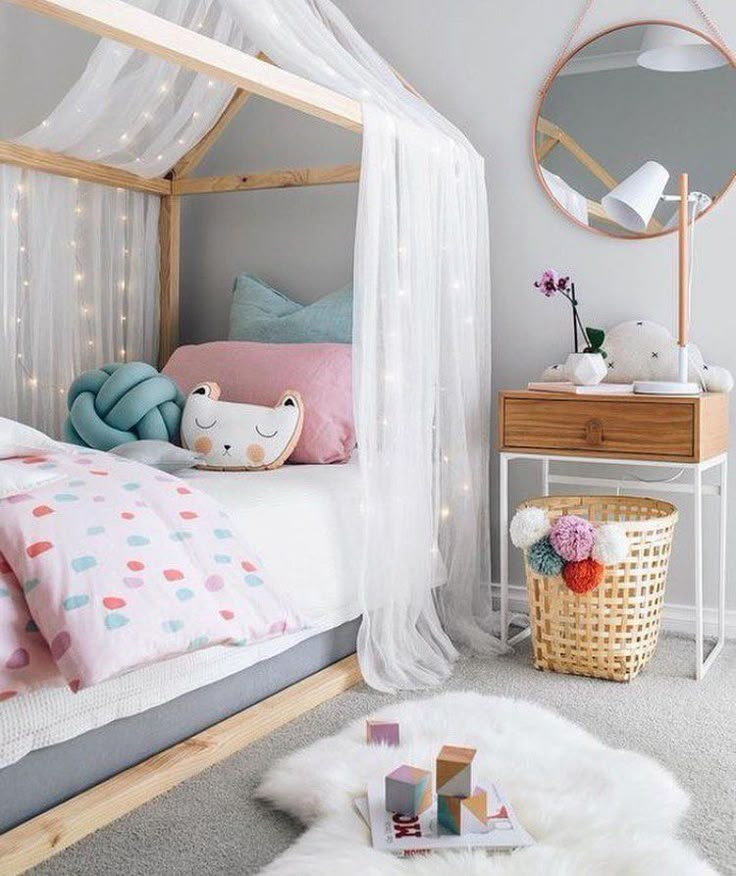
(79, 268)
(422, 368)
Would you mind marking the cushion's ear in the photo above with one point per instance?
(208, 390)
(290, 399)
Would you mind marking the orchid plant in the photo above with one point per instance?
(551, 284)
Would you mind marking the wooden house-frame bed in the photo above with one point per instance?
(48, 833)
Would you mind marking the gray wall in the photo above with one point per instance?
(481, 62)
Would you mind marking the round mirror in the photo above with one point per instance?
(624, 115)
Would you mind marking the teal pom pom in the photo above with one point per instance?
(544, 559)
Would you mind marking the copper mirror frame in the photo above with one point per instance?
(565, 59)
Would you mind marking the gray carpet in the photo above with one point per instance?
(212, 825)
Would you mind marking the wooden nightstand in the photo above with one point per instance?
(687, 433)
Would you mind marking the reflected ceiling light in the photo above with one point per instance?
(675, 50)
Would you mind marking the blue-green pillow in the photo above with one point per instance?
(260, 313)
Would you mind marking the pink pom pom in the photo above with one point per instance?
(572, 537)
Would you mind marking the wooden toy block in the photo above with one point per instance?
(455, 771)
(461, 815)
(382, 732)
(408, 791)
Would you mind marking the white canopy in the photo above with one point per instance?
(79, 286)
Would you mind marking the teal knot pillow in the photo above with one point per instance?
(122, 402)
(260, 313)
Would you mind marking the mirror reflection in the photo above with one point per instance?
(625, 115)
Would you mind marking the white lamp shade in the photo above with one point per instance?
(633, 202)
(676, 50)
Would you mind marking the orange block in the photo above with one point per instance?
(455, 771)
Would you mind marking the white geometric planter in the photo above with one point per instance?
(585, 369)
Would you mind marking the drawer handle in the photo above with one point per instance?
(594, 433)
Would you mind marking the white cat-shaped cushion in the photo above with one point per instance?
(238, 436)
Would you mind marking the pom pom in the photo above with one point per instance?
(582, 576)
(611, 545)
(528, 526)
(544, 560)
(572, 538)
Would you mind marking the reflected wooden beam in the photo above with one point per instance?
(77, 168)
(270, 179)
(574, 148)
(547, 145)
(141, 30)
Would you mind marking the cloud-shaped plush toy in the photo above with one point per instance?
(240, 437)
(643, 350)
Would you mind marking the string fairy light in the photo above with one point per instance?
(30, 377)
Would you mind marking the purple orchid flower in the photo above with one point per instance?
(551, 283)
(548, 283)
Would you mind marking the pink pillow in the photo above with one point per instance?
(258, 374)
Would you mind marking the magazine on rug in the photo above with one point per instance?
(402, 835)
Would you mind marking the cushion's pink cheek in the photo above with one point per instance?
(255, 453)
(203, 445)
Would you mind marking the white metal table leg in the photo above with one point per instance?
(545, 476)
(698, 570)
(722, 553)
(722, 569)
(503, 537)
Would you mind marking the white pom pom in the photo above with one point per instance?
(528, 526)
(611, 545)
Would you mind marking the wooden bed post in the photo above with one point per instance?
(169, 226)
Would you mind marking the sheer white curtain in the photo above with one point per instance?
(79, 269)
(421, 352)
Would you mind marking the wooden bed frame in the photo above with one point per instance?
(186, 48)
(45, 835)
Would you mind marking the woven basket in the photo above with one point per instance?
(610, 632)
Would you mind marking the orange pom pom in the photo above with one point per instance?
(582, 576)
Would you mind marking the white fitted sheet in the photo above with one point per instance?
(304, 522)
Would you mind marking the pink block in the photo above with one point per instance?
(382, 732)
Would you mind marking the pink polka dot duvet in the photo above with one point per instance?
(117, 565)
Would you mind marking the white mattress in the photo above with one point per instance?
(304, 522)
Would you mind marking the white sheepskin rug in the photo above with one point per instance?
(594, 810)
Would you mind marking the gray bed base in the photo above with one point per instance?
(48, 776)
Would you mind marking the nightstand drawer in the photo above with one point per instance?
(637, 427)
